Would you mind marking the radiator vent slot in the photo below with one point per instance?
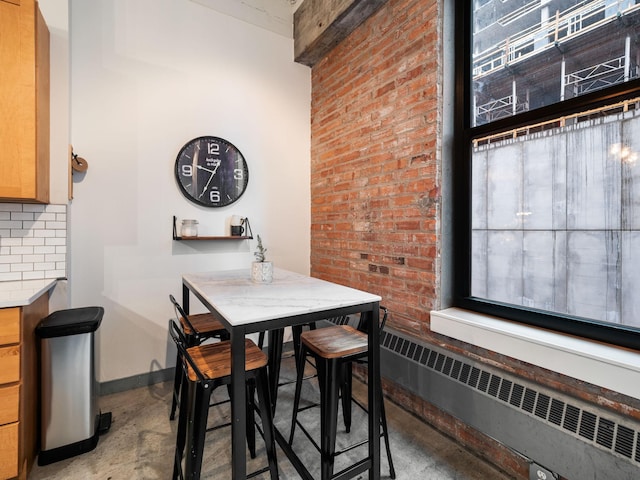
(598, 427)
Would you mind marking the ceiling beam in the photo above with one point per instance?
(320, 25)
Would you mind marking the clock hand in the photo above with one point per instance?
(205, 169)
(208, 182)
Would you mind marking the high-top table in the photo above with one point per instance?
(291, 299)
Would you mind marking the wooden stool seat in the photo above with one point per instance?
(337, 341)
(214, 359)
(202, 324)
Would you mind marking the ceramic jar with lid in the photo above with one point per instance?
(189, 228)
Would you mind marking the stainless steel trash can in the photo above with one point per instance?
(70, 417)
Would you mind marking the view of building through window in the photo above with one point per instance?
(555, 207)
(532, 53)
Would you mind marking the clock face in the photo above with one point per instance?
(211, 172)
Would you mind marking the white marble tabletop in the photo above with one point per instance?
(241, 301)
(25, 292)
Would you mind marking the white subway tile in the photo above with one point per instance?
(44, 266)
(61, 249)
(10, 207)
(54, 258)
(5, 267)
(10, 224)
(61, 217)
(61, 265)
(33, 241)
(9, 242)
(32, 207)
(33, 258)
(56, 225)
(22, 267)
(46, 216)
(56, 208)
(33, 275)
(19, 233)
(20, 250)
(10, 258)
(45, 249)
(21, 216)
(32, 225)
(56, 241)
(10, 277)
(55, 274)
(44, 233)
(5, 215)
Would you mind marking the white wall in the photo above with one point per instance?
(146, 77)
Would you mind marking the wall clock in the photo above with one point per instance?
(211, 172)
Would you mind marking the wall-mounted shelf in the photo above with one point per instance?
(199, 238)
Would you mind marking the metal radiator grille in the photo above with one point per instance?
(600, 428)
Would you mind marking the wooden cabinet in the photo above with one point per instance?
(24, 97)
(19, 386)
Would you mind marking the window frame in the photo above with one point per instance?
(621, 335)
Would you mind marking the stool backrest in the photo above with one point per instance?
(363, 326)
(181, 343)
(181, 313)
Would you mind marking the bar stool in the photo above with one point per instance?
(206, 367)
(196, 328)
(335, 348)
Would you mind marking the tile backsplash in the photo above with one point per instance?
(33, 241)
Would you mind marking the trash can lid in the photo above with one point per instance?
(72, 321)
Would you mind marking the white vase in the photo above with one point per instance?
(262, 272)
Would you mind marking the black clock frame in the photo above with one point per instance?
(211, 171)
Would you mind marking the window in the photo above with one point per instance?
(548, 173)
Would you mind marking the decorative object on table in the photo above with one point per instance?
(261, 270)
(211, 172)
(189, 228)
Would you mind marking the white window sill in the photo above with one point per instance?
(608, 366)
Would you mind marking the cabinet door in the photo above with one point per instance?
(23, 128)
(9, 451)
(9, 326)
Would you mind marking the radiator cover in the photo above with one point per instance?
(571, 437)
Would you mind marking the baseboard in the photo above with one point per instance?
(136, 381)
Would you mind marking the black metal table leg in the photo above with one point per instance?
(276, 338)
(238, 400)
(374, 386)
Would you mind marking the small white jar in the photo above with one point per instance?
(189, 228)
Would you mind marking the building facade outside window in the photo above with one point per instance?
(548, 175)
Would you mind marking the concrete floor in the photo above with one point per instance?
(140, 443)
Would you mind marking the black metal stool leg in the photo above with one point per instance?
(328, 376)
(264, 403)
(250, 416)
(198, 427)
(346, 385)
(385, 433)
(301, 359)
(176, 387)
(181, 437)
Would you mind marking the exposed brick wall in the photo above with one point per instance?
(374, 172)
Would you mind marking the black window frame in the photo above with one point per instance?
(464, 132)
